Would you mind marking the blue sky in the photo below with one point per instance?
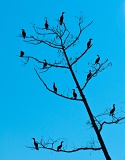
(29, 110)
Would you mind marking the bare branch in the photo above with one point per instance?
(96, 71)
(79, 57)
(53, 91)
(80, 31)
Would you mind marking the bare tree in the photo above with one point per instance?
(61, 39)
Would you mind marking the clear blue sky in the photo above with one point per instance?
(28, 110)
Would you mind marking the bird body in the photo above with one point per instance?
(60, 146)
(46, 25)
(35, 144)
(61, 18)
(89, 75)
(44, 64)
(97, 60)
(23, 33)
(54, 88)
(74, 94)
(21, 53)
(112, 110)
(89, 43)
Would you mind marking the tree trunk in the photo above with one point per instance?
(106, 154)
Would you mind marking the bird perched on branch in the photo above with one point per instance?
(46, 24)
(35, 144)
(89, 43)
(23, 33)
(62, 18)
(21, 53)
(44, 64)
(97, 60)
(74, 94)
(60, 146)
(54, 88)
(89, 75)
(112, 110)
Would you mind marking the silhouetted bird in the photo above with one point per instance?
(89, 43)
(74, 94)
(61, 18)
(60, 146)
(23, 33)
(21, 53)
(54, 88)
(35, 144)
(97, 60)
(89, 75)
(44, 64)
(112, 110)
(46, 25)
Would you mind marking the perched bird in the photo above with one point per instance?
(89, 75)
(97, 60)
(46, 24)
(44, 64)
(89, 43)
(60, 146)
(61, 18)
(21, 53)
(35, 144)
(23, 33)
(112, 110)
(54, 88)
(74, 94)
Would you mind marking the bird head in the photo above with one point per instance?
(22, 29)
(44, 60)
(89, 71)
(73, 89)
(113, 105)
(97, 55)
(62, 141)
(63, 12)
(33, 138)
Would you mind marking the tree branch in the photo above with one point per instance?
(53, 91)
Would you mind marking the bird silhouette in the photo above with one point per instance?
(44, 64)
(23, 33)
(46, 24)
(54, 88)
(60, 146)
(89, 43)
(62, 18)
(74, 94)
(112, 110)
(21, 53)
(97, 60)
(89, 75)
(35, 144)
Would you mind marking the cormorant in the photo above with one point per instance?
(61, 18)
(74, 94)
(21, 53)
(89, 43)
(46, 24)
(60, 146)
(89, 75)
(97, 60)
(23, 33)
(54, 87)
(35, 144)
(112, 110)
(44, 64)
